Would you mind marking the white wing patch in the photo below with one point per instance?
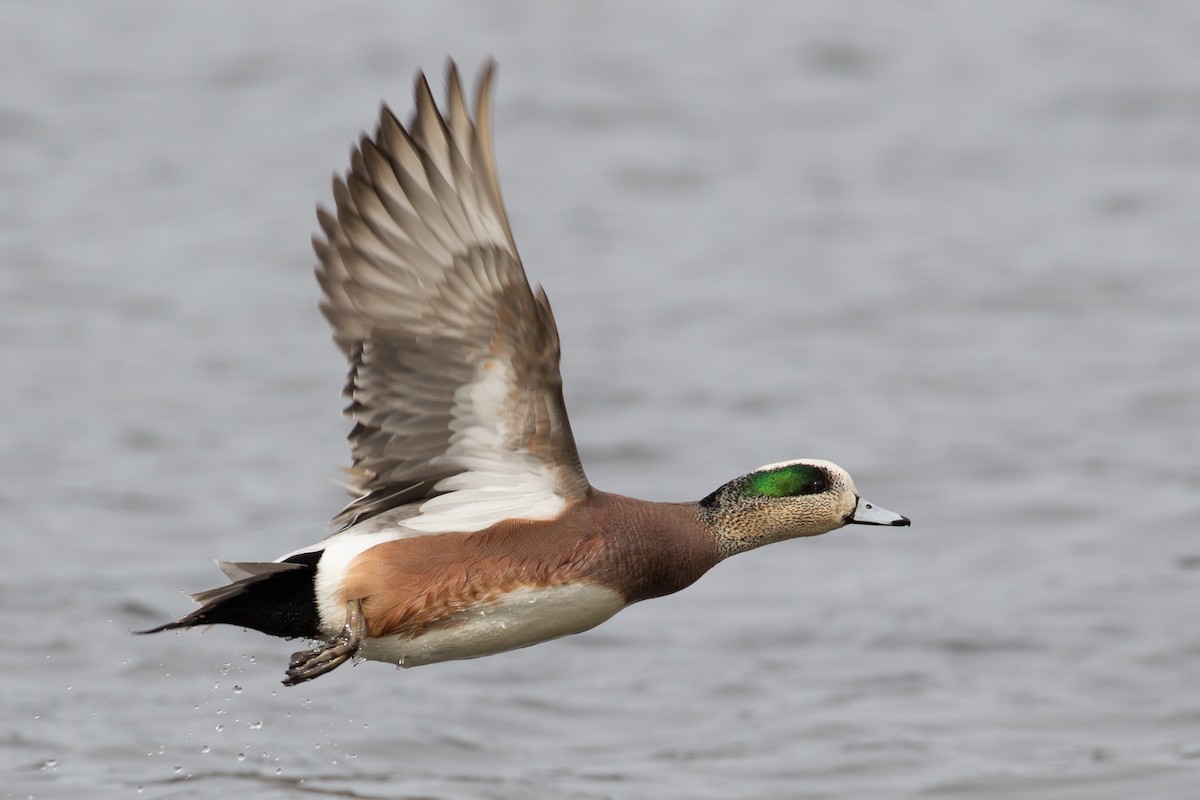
(498, 482)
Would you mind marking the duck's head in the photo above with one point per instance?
(787, 500)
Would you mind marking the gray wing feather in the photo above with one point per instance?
(424, 288)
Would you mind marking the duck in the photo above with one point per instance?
(472, 528)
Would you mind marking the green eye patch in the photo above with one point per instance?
(789, 481)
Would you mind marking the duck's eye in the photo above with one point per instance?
(816, 487)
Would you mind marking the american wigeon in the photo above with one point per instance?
(473, 529)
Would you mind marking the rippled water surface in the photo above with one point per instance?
(952, 246)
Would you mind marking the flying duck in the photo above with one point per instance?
(473, 529)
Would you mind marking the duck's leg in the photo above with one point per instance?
(309, 664)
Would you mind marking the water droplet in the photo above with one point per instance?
(254, 726)
(241, 756)
(220, 728)
(50, 763)
(140, 790)
(205, 749)
(279, 770)
(237, 689)
(178, 770)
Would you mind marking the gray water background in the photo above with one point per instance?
(952, 246)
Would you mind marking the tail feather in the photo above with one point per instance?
(237, 570)
(277, 598)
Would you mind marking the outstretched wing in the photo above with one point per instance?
(454, 384)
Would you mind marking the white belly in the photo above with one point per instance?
(519, 619)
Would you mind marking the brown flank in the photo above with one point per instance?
(638, 549)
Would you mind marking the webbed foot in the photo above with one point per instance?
(308, 664)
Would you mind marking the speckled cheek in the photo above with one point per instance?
(847, 502)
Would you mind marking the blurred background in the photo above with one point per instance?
(951, 246)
